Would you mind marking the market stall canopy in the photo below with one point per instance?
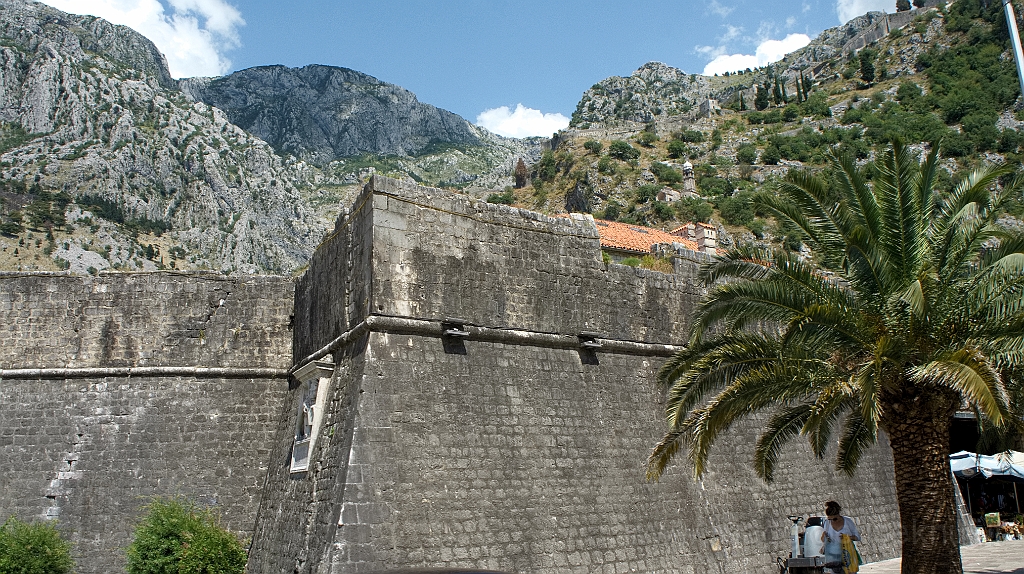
(1009, 464)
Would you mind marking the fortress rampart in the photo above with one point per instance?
(451, 382)
(118, 388)
(487, 399)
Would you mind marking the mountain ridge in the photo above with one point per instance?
(322, 113)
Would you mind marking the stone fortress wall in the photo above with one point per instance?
(517, 440)
(119, 388)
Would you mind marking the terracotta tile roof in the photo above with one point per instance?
(683, 228)
(635, 238)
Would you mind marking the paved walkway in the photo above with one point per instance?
(987, 558)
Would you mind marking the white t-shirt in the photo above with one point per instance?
(833, 544)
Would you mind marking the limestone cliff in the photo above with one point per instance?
(106, 164)
(322, 113)
(107, 160)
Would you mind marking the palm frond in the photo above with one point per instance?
(664, 452)
(968, 372)
(780, 429)
(756, 390)
(831, 403)
(857, 437)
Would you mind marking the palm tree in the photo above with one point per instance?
(914, 311)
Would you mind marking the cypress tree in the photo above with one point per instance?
(761, 97)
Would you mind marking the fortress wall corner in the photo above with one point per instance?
(508, 444)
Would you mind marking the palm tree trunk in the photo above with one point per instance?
(918, 431)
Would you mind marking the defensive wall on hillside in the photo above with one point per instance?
(118, 388)
(476, 388)
(451, 382)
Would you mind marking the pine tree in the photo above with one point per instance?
(743, 105)
(902, 5)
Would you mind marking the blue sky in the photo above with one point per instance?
(523, 62)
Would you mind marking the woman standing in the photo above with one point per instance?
(835, 526)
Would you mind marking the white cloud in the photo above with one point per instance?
(850, 9)
(193, 34)
(716, 8)
(731, 32)
(711, 51)
(522, 123)
(769, 51)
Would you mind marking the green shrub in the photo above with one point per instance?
(689, 136)
(606, 165)
(621, 150)
(612, 210)
(646, 138)
(662, 211)
(547, 168)
(693, 209)
(506, 198)
(666, 174)
(33, 549)
(816, 105)
(177, 537)
(646, 193)
(677, 149)
(746, 154)
(631, 261)
(714, 186)
(771, 155)
(593, 146)
(738, 209)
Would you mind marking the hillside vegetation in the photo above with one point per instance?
(947, 76)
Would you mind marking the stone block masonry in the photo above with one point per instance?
(518, 440)
(119, 388)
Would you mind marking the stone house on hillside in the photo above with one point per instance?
(704, 235)
(622, 240)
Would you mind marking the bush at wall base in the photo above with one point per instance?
(33, 549)
(177, 537)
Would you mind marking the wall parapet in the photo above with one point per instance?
(149, 372)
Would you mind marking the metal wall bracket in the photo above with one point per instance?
(456, 328)
(590, 340)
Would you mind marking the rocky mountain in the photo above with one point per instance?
(107, 164)
(323, 113)
(640, 149)
(653, 90)
(657, 91)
